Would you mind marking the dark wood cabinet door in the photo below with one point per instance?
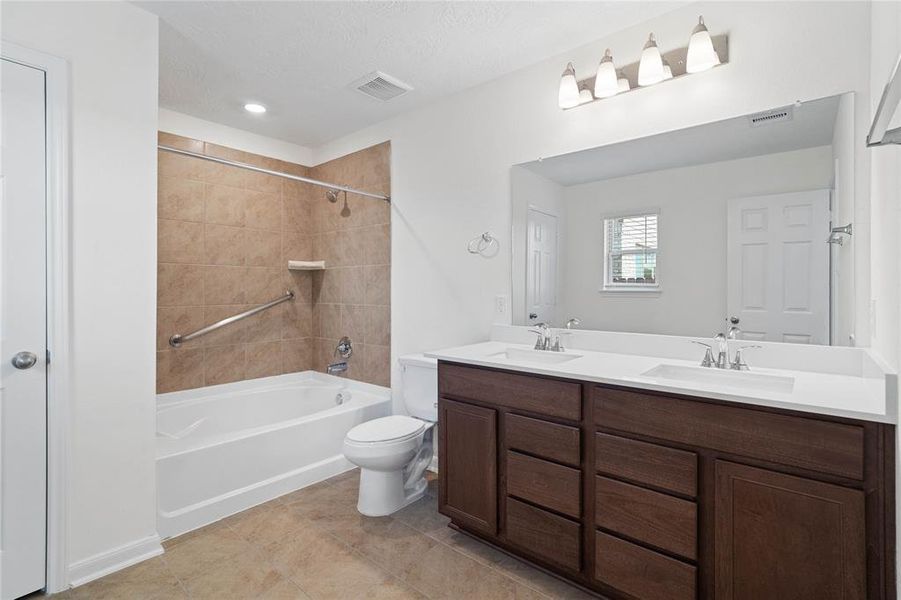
(779, 536)
(467, 464)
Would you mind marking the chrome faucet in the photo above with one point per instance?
(738, 363)
(722, 354)
(734, 330)
(722, 351)
(544, 336)
(335, 368)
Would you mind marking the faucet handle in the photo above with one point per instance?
(574, 322)
(738, 363)
(708, 360)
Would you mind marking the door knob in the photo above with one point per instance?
(24, 360)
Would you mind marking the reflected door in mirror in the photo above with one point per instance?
(541, 274)
(778, 266)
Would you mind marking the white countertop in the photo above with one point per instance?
(854, 396)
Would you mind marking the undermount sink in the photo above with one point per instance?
(535, 356)
(722, 377)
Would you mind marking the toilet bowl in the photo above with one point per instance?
(394, 452)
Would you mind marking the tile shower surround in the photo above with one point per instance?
(225, 236)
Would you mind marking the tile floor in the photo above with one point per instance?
(314, 544)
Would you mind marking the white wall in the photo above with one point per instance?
(451, 161)
(531, 190)
(112, 50)
(223, 135)
(692, 203)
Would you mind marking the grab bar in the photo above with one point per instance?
(177, 340)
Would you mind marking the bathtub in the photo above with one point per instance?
(225, 448)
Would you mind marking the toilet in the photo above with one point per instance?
(394, 452)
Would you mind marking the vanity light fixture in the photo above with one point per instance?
(650, 68)
(568, 96)
(605, 83)
(701, 55)
(253, 107)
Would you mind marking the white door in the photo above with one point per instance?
(23, 331)
(541, 267)
(778, 266)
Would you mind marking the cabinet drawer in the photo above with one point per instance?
(658, 466)
(550, 397)
(642, 573)
(813, 444)
(548, 440)
(552, 537)
(544, 483)
(662, 521)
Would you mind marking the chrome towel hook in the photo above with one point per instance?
(483, 245)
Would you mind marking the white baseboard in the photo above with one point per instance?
(94, 567)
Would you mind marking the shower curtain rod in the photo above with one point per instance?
(240, 165)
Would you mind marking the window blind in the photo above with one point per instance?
(631, 250)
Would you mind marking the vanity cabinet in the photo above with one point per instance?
(635, 494)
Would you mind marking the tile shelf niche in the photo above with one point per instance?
(306, 265)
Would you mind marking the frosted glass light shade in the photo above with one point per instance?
(585, 96)
(568, 96)
(605, 83)
(667, 71)
(701, 55)
(650, 68)
(623, 83)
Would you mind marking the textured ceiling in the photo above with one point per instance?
(298, 58)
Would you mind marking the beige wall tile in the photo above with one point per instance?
(177, 319)
(378, 325)
(297, 214)
(224, 285)
(263, 284)
(223, 205)
(179, 241)
(264, 211)
(353, 322)
(180, 369)
(223, 245)
(326, 286)
(224, 174)
(223, 364)
(266, 326)
(261, 182)
(180, 199)
(263, 248)
(353, 247)
(263, 359)
(330, 321)
(179, 285)
(352, 285)
(378, 284)
(296, 246)
(179, 166)
(180, 142)
(297, 355)
(298, 320)
(376, 245)
(378, 365)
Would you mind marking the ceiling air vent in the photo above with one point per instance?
(380, 86)
(778, 115)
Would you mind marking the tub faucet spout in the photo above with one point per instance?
(338, 367)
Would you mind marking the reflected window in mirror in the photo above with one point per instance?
(630, 255)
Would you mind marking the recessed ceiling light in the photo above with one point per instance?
(254, 108)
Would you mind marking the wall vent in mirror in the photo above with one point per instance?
(779, 115)
(702, 53)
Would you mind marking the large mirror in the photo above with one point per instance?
(732, 223)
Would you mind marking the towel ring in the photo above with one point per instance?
(482, 243)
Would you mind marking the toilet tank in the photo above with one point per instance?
(420, 386)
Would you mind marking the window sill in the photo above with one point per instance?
(641, 290)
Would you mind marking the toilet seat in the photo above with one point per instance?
(395, 428)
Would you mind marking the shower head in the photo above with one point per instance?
(332, 195)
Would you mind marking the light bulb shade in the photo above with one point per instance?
(585, 96)
(701, 55)
(650, 68)
(568, 96)
(623, 84)
(667, 71)
(605, 83)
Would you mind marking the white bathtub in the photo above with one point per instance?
(225, 448)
